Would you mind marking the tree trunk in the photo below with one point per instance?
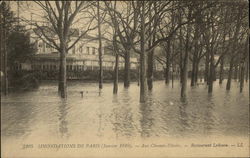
(139, 74)
(185, 64)
(184, 76)
(2, 54)
(214, 73)
(230, 74)
(5, 71)
(173, 64)
(195, 54)
(206, 68)
(143, 76)
(180, 46)
(236, 69)
(127, 69)
(196, 72)
(247, 71)
(59, 75)
(193, 70)
(247, 58)
(172, 75)
(242, 73)
(239, 73)
(211, 73)
(143, 61)
(63, 81)
(181, 67)
(4, 45)
(221, 70)
(167, 73)
(100, 48)
(5, 65)
(244, 65)
(150, 70)
(100, 69)
(116, 70)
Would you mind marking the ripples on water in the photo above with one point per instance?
(43, 113)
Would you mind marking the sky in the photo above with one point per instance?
(29, 10)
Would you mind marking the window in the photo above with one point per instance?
(74, 50)
(93, 50)
(80, 49)
(88, 50)
(43, 47)
(40, 44)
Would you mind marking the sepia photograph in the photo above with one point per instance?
(124, 79)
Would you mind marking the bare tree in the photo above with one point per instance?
(197, 37)
(116, 69)
(7, 24)
(186, 58)
(100, 46)
(4, 24)
(126, 22)
(233, 52)
(152, 37)
(143, 59)
(61, 15)
(243, 63)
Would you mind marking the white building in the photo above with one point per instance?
(83, 56)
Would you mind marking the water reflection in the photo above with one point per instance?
(42, 113)
(63, 123)
(100, 128)
(123, 116)
(100, 115)
(146, 120)
(19, 118)
(183, 119)
(209, 119)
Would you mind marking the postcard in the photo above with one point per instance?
(124, 79)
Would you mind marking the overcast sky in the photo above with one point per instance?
(30, 10)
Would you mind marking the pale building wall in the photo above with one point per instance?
(85, 53)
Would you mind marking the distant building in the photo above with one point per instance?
(83, 56)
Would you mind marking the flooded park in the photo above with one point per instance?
(124, 78)
(42, 117)
(42, 113)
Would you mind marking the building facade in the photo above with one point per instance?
(83, 55)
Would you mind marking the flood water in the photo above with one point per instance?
(42, 113)
(41, 116)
